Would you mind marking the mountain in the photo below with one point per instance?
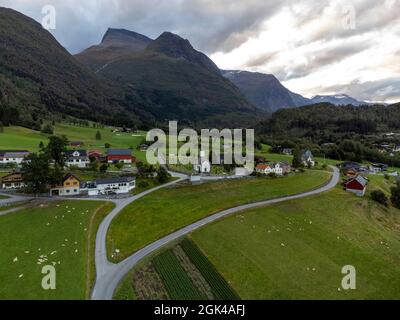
(116, 43)
(264, 90)
(39, 78)
(338, 100)
(173, 46)
(178, 82)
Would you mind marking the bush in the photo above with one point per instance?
(380, 197)
(395, 197)
(143, 184)
(47, 129)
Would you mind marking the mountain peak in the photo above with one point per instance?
(123, 35)
(174, 46)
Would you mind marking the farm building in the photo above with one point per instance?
(108, 186)
(12, 181)
(120, 155)
(13, 156)
(357, 185)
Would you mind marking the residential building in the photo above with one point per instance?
(268, 168)
(13, 156)
(287, 151)
(12, 181)
(109, 186)
(77, 158)
(203, 165)
(71, 186)
(356, 185)
(76, 144)
(286, 167)
(95, 154)
(307, 158)
(120, 155)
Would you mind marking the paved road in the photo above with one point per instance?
(13, 199)
(109, 275)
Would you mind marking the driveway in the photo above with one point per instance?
(109, 275)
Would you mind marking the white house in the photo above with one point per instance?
(13, 156)
(204, 165)
(268, 168)
(108, 186)
(307, 158)
(77, 158)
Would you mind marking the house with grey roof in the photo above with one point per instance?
(107, 186)
(77, 158)
(13, 156)
(307, 158)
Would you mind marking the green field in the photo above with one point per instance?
(22, 138)
(167, 210)
(180, 271)
(296, 249)
(58, 233)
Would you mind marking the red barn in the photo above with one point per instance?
(357, 185)
(120, 155)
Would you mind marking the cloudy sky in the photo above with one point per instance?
(313, 47)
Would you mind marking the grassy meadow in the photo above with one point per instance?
(58, 233)
(167, 210)
(22, 138)
(296, 249)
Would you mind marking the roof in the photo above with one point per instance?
(70, 153)
(115, 180)
(306, 154)
(360, 179)
(13, 153)
(70, 175)
(263, 166)
(119, 152)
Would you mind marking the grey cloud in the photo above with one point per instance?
(323, 58)
(381, 90)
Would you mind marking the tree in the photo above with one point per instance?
(47, 129)
(119, 165)
(1, 127)
(107, 146)
(380, 197)
(41, 145)
(35, 171)
(98, 135)
(56, 149)
(94, 166)
(104, 168)
(163, 175)
(297, 163)
(395, 195)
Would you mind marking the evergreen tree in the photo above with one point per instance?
(98, 135)
(297, 163)
(35, 171)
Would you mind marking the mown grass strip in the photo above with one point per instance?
(176, 281)
(220, 288)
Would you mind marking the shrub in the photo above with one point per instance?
(380, 197)
(143, 184)
(395, 197)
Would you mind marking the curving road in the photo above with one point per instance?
(109, 275)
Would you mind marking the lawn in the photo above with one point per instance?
(167, 210)
(3, 197)
(22, 138)
(274, 157)
(60, 234)
(296, 249)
